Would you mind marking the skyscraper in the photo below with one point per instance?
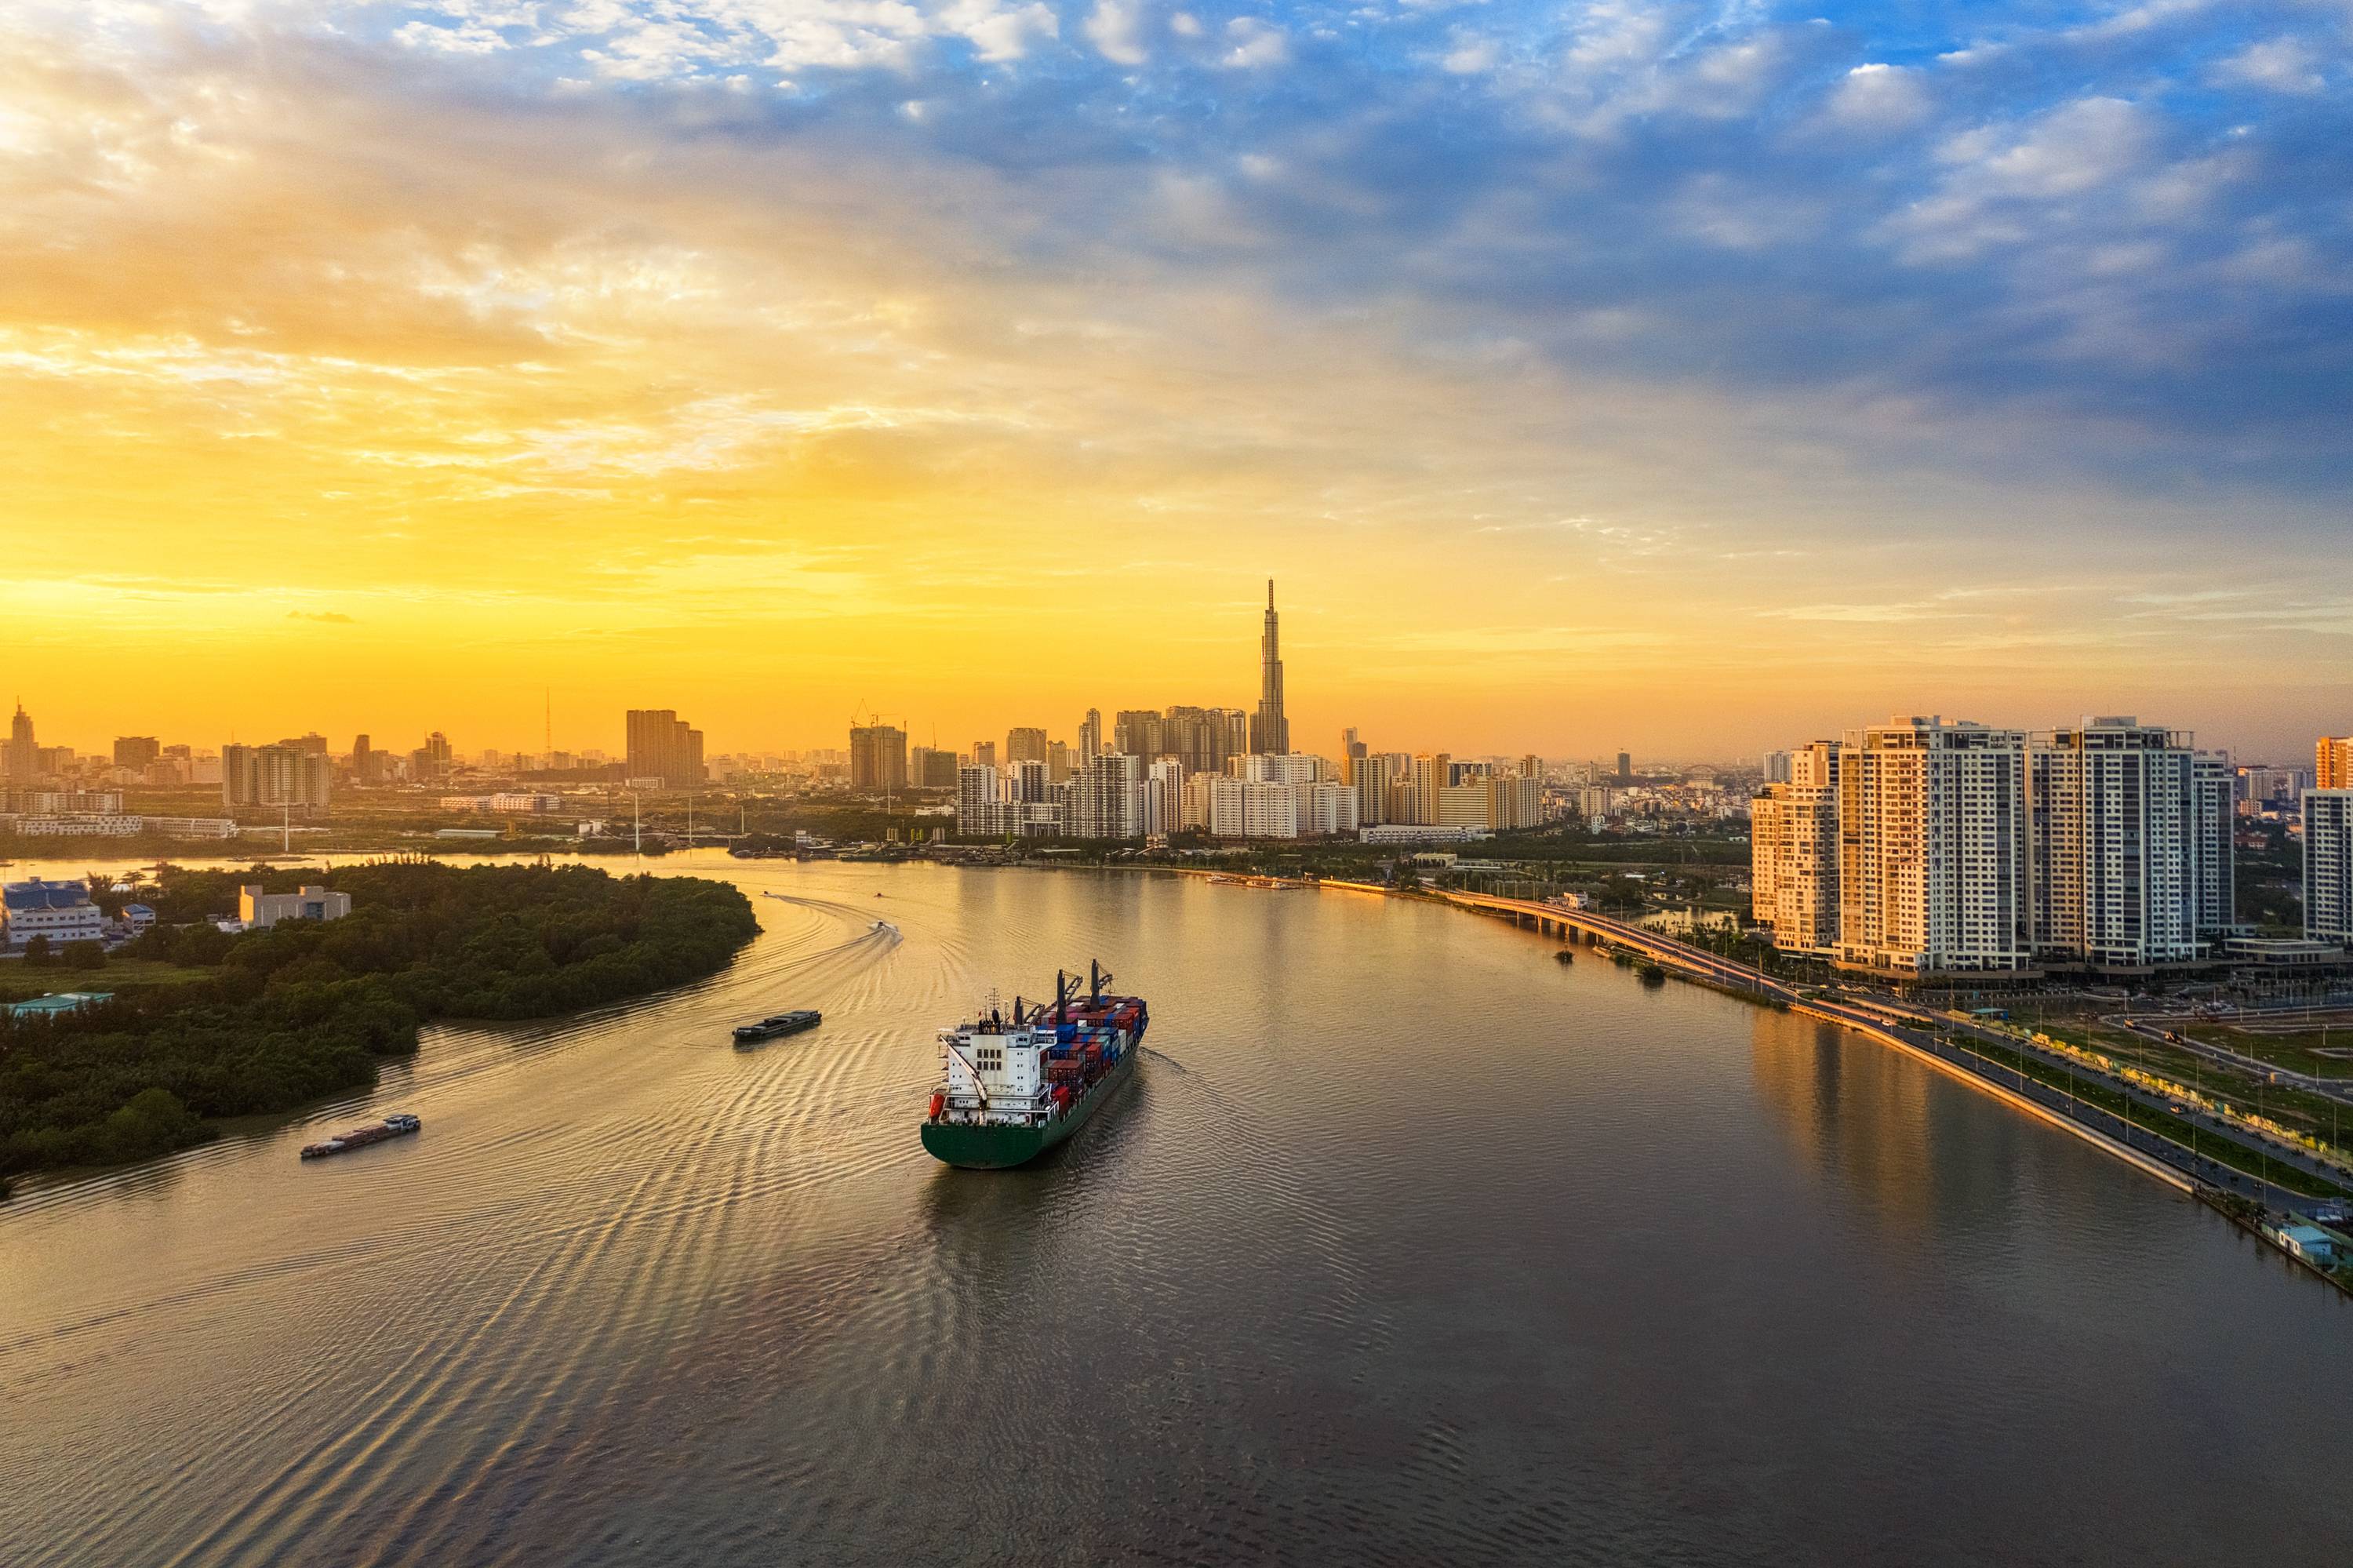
(284, 776)
(878, 757)
(1269, 732)
(1136, 732)
(136, 750)
(22, 760)
(2332, 762)
(1091, 737)
(928, 768)
(1025, 745)
(664, 746)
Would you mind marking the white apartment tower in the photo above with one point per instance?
(1106, 799)
(1934, 873)
(2213, 843)
(2328, 865)
(2114, 813)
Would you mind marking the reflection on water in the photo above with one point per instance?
(1405, 1244)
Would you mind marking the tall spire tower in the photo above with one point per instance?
(1269, 732)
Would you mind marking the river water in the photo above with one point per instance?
(1406, 1244)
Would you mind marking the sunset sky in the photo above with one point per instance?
(1688, 377)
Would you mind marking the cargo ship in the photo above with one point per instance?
(1012, 1086)
(399, 1124)
(779, 1023)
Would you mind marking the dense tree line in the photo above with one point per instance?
(306, 1009)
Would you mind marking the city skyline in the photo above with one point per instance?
(1269, 714)
(1663, 376)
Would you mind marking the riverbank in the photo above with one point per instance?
(2186, 1168)
(280, 1017)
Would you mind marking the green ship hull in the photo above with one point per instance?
(971, 1148)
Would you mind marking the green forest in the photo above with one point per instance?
(308, 1009)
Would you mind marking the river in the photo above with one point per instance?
(1406, 1244)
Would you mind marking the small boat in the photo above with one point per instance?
(780, 1024)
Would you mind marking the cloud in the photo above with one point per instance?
(537, 279)
(1115, 28)
(1255, 44)
(1879, 97)
(1468, 54)
(2281, 64)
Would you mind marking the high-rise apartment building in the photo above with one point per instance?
(2120, 856)
(1136, 732)
(1203, 739)
(1934, 873)
(1373, 782)
(1091, 736)
(1292, 768)
(1432, 772)
(433, 760)
(877, 757)
(1625, 767)
(1023, 744)
(983, 754)
(2214, 845)
(979, 798)
(1163, 797)
(2328, 865)
(1793, 851)
(2114, 810)
(136, 750)
(663, 746)
(1270, 731)
(286, 777)
(929, 769)
(1105, 800)
(2332, 762)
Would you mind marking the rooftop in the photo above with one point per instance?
(39, 895)
(58, 1001)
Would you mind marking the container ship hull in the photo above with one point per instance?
(978, 1147)
(1015, 1084)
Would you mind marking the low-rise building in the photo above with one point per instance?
(2309, 1243)
(1419, 833)
(78, 827)
(258, 909)
(62, 911)
(55, 1002)
(192, 827)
